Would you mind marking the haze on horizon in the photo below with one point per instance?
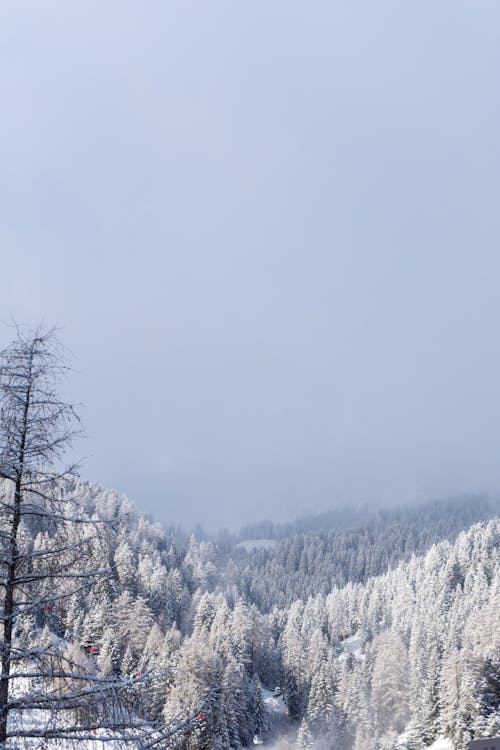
(271, 234)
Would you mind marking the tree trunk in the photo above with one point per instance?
(8, 612)
(10, 584)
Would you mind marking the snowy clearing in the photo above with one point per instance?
(253, 544)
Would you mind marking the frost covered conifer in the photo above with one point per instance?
(304, 736)
(259, 707)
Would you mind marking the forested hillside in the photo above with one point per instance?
(364, 647)
(377, 634)
(305, 564)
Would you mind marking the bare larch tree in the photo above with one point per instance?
(36, 429)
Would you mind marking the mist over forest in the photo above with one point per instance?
(353, 629)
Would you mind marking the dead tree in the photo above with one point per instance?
(36, 429)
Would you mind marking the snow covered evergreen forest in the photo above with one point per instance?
(377, 630)
(377, 652)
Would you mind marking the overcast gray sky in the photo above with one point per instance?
(271, 233)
